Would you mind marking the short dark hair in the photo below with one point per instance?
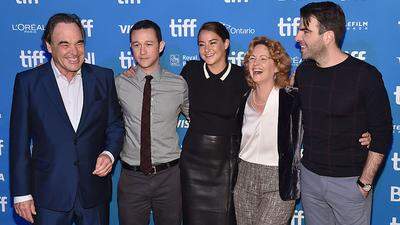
(330, 17)
(60, 18)
(146, 24)
(217, 28)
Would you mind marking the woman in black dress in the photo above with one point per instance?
(208, 161)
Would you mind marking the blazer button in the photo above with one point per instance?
(75, 141)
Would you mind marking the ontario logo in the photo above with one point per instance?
(239, 30)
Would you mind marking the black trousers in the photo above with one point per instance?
(139, 194)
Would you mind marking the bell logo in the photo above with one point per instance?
(126, 60)
(235, 1)
(396, 161)
(397, 94)
(31, 58)
(288, 27)
(88, 25)
(127, 2)
(298, 217)
(3, 203)
(394, 194)
(183, 27)
(27, 2)
(236, 57)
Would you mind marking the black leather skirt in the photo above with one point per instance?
(208, 175)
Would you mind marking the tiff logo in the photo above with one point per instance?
(394, 194)
(126, 60)
(1, 146)
(236, 57)
(126, 2)
(88, 25)
(27, 2)
(90, 58)
(397, 94)
(288, 27)
(235, 1)
(396, 161)
(31, 58)
(394, 221)
(3, 203)
(182, 27)
(298, 217)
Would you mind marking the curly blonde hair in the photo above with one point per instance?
(278, 55)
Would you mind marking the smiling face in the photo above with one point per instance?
(212, 48)
(146, 49)
(67, 48)
(260, 65)
(310, 41)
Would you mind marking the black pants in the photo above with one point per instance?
(139, 194)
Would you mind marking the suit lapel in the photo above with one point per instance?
(51, 87)
(88, 82)
(283, 118)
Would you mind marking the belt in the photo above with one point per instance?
(155, 168)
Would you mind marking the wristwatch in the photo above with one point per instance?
(365, 187)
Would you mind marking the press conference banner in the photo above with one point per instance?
(373, 34)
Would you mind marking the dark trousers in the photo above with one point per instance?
(98, 215)
(138, 194)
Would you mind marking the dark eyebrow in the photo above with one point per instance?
(66, 42)
(304, 29)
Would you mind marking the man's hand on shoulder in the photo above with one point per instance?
(103, 165)
(130, 72)
(25, 210)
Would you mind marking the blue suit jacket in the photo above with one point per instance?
(62, 161)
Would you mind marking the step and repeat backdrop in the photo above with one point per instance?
(373, 34)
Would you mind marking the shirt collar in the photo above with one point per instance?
(141, 74)
(57, 72)
(223, 77)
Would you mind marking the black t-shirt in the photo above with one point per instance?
(213, 102)
(340, 103)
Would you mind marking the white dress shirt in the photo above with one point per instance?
(72, 96)
(260, 132)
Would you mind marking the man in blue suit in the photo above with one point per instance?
(66, 130)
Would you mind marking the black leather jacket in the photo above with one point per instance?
(290, 136)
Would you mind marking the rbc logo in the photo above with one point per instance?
(31, 58)
(126, 2)
(27, 2)
(235, 1)
(236, 57)
(288, 27)
(3, 203)
(182, 27)
(361, 55)
(397, 94)
(174, 60)
(126, 61)
(88, 25)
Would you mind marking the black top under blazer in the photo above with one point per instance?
(290, 136)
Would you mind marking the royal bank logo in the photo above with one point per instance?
(288, 26)
(178, 60)
(1, 146)
(88, 26)
(28, 28)
(236, 1)
(126, 59)
(237, 57)
(27, 2)
(239, 30)
(124, 28)
(298, 217)
(31, 58)
(3, 203)
(397, 95)
(359, 54)
(129, 2)
(182, 27)
(357, 25)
